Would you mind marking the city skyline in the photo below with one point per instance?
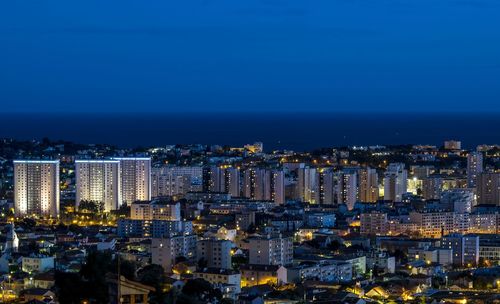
(250, 152)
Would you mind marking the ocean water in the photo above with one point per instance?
(297, 131)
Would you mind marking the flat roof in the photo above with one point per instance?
(36, 161)
(97, 161)
(132, 158)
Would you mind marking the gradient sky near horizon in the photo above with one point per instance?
(249, 55)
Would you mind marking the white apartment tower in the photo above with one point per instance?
(395, 182)
(99, 181)
(135, 176)
(36, 187)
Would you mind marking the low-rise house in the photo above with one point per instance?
(252, 275)
(322, 271)
(37, 294)
(37, 263)
(130, 291)
(219, 276)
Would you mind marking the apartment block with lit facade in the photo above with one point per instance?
(36, 187)
(135, 179)
(98, 181)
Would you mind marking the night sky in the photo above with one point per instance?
(258, 55)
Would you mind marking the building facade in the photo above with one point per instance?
(135, 177)
(99, 181)
(36, 187)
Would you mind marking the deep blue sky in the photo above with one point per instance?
(239, 55)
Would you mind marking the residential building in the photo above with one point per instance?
(395, 182)
(175, 180)
(307, 186)
(374, 223)
(36, 187)
(164, 251)
(157, 209)
(216, 276)
(99, 181)
(270, 250)
(347, 189)
(432, 187)
(488, 189)
(465, 248)
(216, 253)
(461, 200)
(474, 168)
(368, 185)
(135, 179)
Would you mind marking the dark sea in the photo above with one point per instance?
(297, 131)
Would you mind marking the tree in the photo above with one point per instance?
(124, 210)
(68, 287)
(91, 206)
(153, 275)
(199, 291)
(93, 273)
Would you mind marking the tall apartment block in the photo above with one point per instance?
(222, 179)
(488, 189)
(173, 181)
(368, 185)
(99, 181)
(347, 189)
(36, 187)
(264, 184)
(326, 180)
(307, 185)
(474, 168)
(395, 182)
(135, 178)
(432, 187)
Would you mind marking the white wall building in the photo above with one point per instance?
(99, 181)
(36, 187)
(395, 182)
(135, 177)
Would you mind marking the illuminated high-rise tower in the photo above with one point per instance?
(36, 187)
(135, 177)
(368, 185)
(395, 182)
(99, 181)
